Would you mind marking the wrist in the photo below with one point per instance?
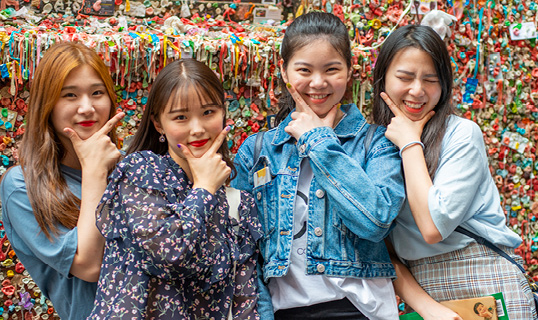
(207, 188)
(95, 172)
(410, 144)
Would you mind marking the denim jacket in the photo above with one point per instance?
(354, 198)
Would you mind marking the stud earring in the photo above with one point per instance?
(162, 139)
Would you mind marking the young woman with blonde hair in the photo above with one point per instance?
(67, 151)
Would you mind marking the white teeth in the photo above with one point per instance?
(313, 96)
(413, 105)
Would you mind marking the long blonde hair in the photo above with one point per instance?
(41, 151)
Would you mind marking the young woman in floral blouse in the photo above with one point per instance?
(172, 251)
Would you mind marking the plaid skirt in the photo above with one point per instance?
(476, 271)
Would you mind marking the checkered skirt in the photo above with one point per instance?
(476, 271)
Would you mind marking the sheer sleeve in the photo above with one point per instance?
(164, 221)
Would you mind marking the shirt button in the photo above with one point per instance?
(302, 148)
(320, 193)
(320, 268)
(318, 231)
(259, 195)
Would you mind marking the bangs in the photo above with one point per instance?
(192, 94)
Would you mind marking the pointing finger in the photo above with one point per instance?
(300, 104)
(187, 154)
(392, 106)
(331, 116)
(111, 123)
(73, 135)
(219, 140)
(427, 118)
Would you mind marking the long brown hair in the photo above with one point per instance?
(174, 81)
(427, 40)
(41, 151)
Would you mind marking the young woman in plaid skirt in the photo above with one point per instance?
(448, 184)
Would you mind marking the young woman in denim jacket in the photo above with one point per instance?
(448, 183)
(324, 204)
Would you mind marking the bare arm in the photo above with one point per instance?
(97, 155)
(412, 293)
(418, 182)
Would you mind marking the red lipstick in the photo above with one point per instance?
(87, 123)
(199, 143)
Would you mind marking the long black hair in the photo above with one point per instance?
(426, 39)
(303, 31)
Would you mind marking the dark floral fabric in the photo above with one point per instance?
(170, 250)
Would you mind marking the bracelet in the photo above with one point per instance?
(410, 144)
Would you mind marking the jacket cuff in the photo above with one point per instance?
(314, 137)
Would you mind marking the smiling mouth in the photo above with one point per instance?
(87, 123)
(318, 96)
(199, 143)
(413, 107)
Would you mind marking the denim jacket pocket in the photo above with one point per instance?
(265, 203)
(338, 224)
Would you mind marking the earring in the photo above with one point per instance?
(162, 139)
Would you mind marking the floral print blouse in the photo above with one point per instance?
(170, 250)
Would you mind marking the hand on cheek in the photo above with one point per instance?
(97, 151)
(304, 118)
(208, 171)
(401, 129)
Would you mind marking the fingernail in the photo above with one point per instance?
(228, 128)
(179, 146)
(288, 85)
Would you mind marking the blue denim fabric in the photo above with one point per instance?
(354, 198)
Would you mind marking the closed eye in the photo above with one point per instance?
(333, 69)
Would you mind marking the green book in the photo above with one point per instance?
(486, 308)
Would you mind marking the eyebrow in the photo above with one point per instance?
(205, 106)
(95, 85)
(409, 73)
(328, 64)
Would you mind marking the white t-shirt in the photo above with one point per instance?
(375, 298)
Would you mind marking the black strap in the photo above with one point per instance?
(258, 146)
(301, 232)
(369, 137)
(490, 245)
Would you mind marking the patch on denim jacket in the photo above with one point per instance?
(262, 177)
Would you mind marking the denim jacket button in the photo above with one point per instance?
(302, 148)
(320, 268)
(259, 195)
(320, 193)
(318, 231)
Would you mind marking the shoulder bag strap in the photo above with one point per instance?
(488, 244)
(258, 146)
(368, 139)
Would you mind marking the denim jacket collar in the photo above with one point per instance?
(349, 126)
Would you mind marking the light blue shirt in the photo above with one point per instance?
(47, 262)
(463, 193)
